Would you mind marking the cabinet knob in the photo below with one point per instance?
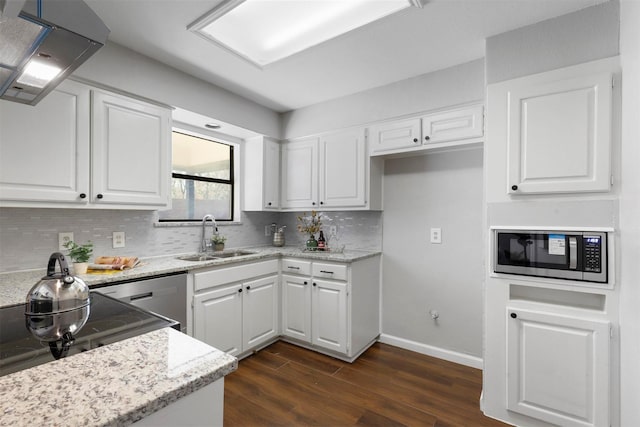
(415, 139)
(427, 137)
(83, 196)
(314, 283)
(322, 203)
(240, 290)
(514, 187)
(305, 283)
(99, 196)
(313, 203)
(248, 287)
(513, 315)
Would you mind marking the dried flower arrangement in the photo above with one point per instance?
(310, 224)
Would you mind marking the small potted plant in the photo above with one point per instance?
(218, 242)
(80, 255)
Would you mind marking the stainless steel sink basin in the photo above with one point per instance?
(214, 256)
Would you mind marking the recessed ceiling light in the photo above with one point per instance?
(266, 31)
(212, 126)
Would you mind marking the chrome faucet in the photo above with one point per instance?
(206, 243)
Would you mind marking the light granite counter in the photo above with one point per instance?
(14, 286)
(117, 384)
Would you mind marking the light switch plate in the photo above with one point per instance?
(62, 239)
(118, 239)
(436, 235)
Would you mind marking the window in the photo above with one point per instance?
(202, 179)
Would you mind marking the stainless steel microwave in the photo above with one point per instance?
(572, 255)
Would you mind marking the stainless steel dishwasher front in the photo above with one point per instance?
(164, 295)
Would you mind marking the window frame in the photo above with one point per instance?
(234, 172)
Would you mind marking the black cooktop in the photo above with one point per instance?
(109, 321)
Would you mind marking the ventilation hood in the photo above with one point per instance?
(44, 42)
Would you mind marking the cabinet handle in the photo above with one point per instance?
(322, 203)
(313, 203)
(83, 196)
(514, 187)
(513, 315)
(314, 283)
(327, 272)
(293, 268)
(99, 196)
(269, 204)
(248, 287)
(305, 283)
(141, 296)
(427, 137)
(415, 139)
(240, 290)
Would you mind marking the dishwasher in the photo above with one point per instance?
(165, 295)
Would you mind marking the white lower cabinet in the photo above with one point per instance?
(331, 307)
(558, 367)
(235, 309)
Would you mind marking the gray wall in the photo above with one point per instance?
(440, 191)
(456, 85)
(578, 37)
(121, 68)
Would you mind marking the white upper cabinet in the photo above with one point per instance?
(85, 148)
(438, 130)
(130, 151)
(459, 124)
(395, 135)
(559, 134)
(44, 149)
(300, 173)
(342, 169)
(329, 171)
(261, 174)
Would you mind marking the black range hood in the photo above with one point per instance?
(43, 44)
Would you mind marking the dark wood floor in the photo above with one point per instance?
(285, 385)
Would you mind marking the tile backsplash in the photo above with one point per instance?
(29, 236)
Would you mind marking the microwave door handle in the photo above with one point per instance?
(573, 253)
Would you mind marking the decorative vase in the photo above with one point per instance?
(219, 247)
(80, 267)
(312, 243)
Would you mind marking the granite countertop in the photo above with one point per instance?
(117, 384)
(14, 286)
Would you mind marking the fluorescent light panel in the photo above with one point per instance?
(265, 31)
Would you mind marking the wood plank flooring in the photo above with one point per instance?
(285, 385)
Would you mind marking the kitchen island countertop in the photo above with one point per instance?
(117, 384)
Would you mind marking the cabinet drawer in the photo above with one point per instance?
(294, 266)
(239, 273)
(330, 271)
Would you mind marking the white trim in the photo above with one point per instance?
(429, 350)
(551, 228)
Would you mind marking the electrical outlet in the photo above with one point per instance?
(267, 230)
(436, 235)
(118, 239)
(63, 238)
(333, 230)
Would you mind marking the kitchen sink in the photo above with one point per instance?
(214, 256)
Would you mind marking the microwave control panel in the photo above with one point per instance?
(592, 253)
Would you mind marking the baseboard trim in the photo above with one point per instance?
(429, 350)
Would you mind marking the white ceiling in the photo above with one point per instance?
(412, 42)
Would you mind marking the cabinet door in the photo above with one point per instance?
(296, 307)
(300, 174)
(559, 135)
(342, 169)
(271, 174)
(44, 149)
(329, 315)
(395, 135)
(260, 311)
(130, 151)
(558, 368)
(217, 318)
(453, 125)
